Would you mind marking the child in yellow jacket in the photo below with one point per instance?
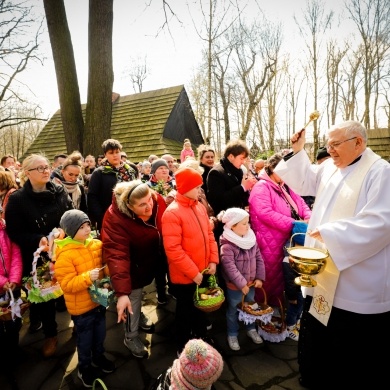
(78, 265)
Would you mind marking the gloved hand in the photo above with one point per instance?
(94, 274)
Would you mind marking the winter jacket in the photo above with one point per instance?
(11, 264)
(131, 247)
(74, 260)
(240, 266)
(32, 215)
(186, 153)
(100, 187)
(188, 239)
(206, 170)
(224, 189)
(271, 220)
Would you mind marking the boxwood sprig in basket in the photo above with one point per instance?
(210, 298)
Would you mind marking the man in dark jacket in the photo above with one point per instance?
(226, 184)
(104, 178)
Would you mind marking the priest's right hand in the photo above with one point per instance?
(298, 141)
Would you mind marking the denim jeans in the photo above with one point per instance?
(91, 333)
(234, 297)
(294, 311)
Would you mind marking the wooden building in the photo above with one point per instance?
(153, 122)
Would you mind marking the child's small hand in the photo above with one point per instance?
(198, 279)
(94, 274)
(245, 290)
(44, 242)
(212, 269)
(258, 283)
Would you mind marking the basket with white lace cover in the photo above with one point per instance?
(250, 312)
(10, 308)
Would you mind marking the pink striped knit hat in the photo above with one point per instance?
(198, 367)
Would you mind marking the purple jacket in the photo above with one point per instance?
(271, 220)
(240, 266)
(10, 259)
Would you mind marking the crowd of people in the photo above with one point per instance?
(178, 222)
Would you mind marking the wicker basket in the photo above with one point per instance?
(274, 330)
(42, 285)
(249, 312)
(217, 296)
(101, 293)
(7, 311)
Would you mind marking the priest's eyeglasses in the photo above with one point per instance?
(40, 169)
(335, 145)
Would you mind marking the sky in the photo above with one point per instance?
(171, 60)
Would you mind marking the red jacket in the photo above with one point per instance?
(131, 247)
(188, 239)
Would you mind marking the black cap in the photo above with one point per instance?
(322, 153)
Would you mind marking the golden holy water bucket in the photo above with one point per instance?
(306, 262)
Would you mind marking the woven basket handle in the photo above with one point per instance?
(243, 296)
(213, 279)
(282, 314)
(100, 382)
(197, 286)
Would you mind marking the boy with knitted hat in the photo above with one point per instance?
(191, 250)
(78, 265)
(242, 268)
(197, 367)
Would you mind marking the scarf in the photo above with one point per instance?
(123, 173)
(246, 242)
(74, 192)
(231, 170)
(288, 198)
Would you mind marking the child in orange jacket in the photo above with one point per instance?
(191, 248)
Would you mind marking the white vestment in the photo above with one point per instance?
(359, 245)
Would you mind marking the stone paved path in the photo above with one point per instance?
(255, 367)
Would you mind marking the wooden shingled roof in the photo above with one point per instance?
(379, 142)
(153, 122)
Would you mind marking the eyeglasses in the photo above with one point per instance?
(335, 145)
(40, 169)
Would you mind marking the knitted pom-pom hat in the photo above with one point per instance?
(71, 221)
(187, 179)
(198, 366)
(232, 216)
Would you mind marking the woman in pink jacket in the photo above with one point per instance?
(272, 207)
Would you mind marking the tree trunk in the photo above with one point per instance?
(100, 76)
(67, 83)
